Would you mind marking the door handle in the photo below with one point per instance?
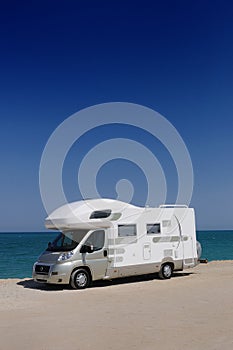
(105, 252)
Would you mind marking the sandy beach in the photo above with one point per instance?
(193, 310)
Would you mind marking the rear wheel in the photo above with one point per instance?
(80, 279)
(166, 271)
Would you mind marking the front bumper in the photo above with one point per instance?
(52, 273)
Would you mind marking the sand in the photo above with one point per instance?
(193, 310)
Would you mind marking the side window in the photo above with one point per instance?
(153, 229)
(127, 230)
(96, 239)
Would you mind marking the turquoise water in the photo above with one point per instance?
(19, 251)
(216, 245)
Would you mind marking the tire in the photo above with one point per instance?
(80, 279)
(166, 271)
(199, 250)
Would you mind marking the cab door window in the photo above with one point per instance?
(96, 239)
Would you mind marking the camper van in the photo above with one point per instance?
(103, 239)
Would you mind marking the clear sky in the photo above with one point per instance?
(58, 57)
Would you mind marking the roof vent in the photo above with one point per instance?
(100, 214)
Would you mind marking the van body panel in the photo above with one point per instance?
(97, 263)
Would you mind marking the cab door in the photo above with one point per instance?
(97, 257)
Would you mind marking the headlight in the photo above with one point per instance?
(65, 256)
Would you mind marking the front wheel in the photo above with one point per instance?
(80, 279)
(166, 271)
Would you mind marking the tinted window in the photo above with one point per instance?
(153, 229)
(67, 241)
(127, 230)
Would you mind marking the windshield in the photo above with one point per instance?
(67, 241)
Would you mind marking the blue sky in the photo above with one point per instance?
(58, 57)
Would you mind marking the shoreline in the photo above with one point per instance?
(191, 269)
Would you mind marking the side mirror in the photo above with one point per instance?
(90, 248)
(49, 247)
(87, 249)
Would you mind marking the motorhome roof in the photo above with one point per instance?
(89, 212)
(93, 213)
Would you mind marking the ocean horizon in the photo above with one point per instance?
(19, 250)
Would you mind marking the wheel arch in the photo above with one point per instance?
(168, 261)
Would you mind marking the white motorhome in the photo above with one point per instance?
(106, 239)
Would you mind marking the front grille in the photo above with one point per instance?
(42, 269)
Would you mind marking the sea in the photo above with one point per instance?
(19, 251)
